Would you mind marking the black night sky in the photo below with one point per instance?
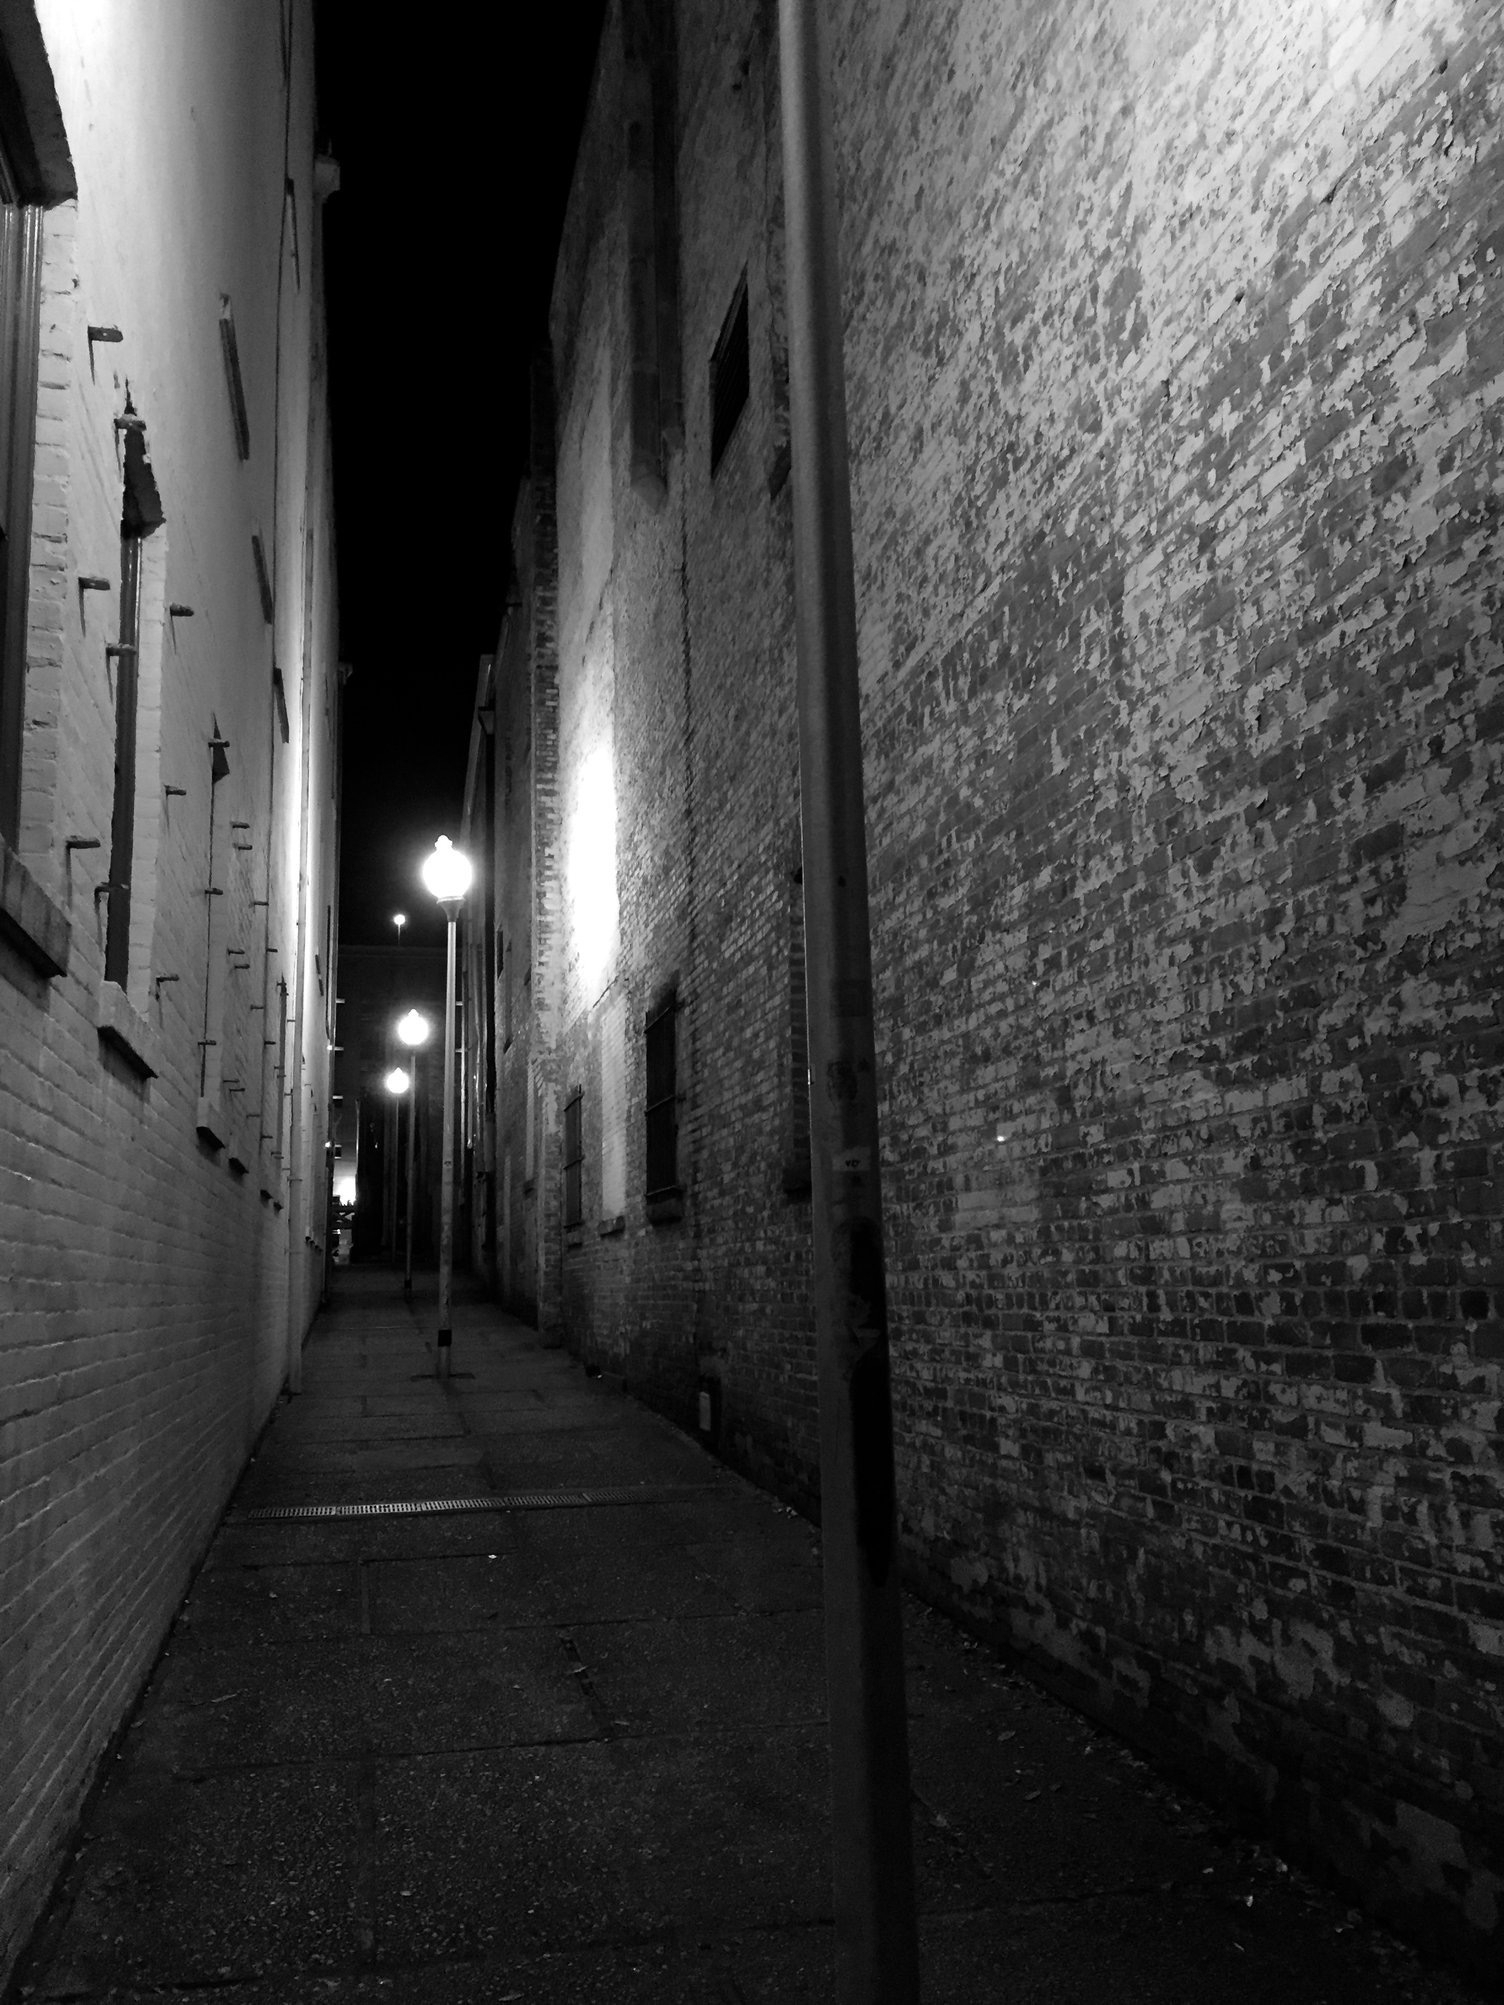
(455, 150)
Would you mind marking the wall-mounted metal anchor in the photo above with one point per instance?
(115, 648)
(171, 791)
(104, 334)
(130, 423)
(95, 585)
(214, 891)
(177, 612)
(82, 842)
(159, 979)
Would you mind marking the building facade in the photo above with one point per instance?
(169, 718)
(1175, 352)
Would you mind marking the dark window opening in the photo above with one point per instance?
(574, 1159)
(117, 940)
(20, 295)
(730, 376)
(662, 1102)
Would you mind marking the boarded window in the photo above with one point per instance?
(730, 376)
(663, 1101)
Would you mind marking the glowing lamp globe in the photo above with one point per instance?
(396, 1081)
(414, 1029)
(447, 874)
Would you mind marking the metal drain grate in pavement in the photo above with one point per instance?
(505, 1500)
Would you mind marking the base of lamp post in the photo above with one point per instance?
(444, 1337)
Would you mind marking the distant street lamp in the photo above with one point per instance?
(446, 875)
(414, 1029)
(399, 920)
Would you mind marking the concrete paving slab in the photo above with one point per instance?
(364, 1429)
(529, 1459)
(575, 1581)
(251, 1604)
(762, 1581)
(267, 1702)
(475, 1591)
(734, 1511)
(577, 1844)
(727, 1671)
(464, 1692)
(340, 1455)
(227, 1877)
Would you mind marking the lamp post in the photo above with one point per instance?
(399, 920)
(446, 875)
(414, 1029)
(396, 1083)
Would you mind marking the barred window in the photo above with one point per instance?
(574, 1159)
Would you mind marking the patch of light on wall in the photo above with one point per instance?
(344, 1187)
(592, 869)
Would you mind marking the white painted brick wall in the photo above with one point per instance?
(151, 1297)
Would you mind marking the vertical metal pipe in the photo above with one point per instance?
(446, 1188)
(412, 1129)
(872, 1841)
(394, 1175)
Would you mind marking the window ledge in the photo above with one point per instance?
(122, 1025)
(36, 927)
(608, 1226)
(666, 1207)
(212, 1123)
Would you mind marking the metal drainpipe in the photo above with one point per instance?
(872, 1841)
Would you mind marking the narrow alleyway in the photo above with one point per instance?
(568, 1746)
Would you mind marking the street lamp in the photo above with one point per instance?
(446, 875)
(414, 1029)
(399, 920)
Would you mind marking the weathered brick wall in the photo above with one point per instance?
(1175, 379)
(682, 588)
(154, 1284)
(1174, 351)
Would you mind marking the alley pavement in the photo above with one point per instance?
(565, 1744)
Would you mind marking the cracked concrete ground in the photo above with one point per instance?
(576, 1753)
